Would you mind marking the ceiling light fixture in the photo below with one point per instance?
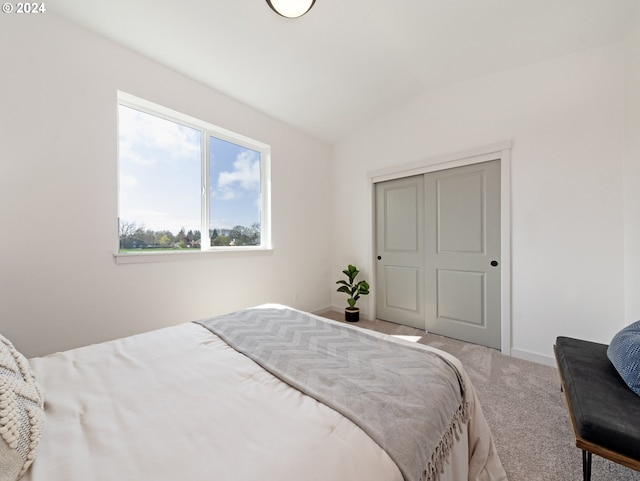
(291, 8)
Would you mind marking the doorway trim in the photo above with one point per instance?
(499, 151)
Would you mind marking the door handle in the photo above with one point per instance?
(494, 263)
(379, 258)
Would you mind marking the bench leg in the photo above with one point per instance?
(586, 465)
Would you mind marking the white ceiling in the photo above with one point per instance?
(346, 61)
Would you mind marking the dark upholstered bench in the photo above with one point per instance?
(604, 412)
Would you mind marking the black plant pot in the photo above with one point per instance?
(352, 314)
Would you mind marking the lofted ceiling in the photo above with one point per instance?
(346, 61)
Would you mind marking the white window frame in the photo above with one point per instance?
(207, 130)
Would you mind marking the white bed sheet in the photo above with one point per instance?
(191, 408)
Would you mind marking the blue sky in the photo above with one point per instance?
(235, 184)
(160, 169)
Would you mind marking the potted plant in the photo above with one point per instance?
(354, 290)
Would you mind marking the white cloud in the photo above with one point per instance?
(128, 181)
(246, 174)
(141, 134)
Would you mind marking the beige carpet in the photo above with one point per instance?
(524, 407)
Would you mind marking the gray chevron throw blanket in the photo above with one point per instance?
(408, 400)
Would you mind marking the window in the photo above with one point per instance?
(185, 185)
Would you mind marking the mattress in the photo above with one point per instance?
(181, 404)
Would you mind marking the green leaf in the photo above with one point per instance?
(352, 289)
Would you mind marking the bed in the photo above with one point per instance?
(196, 402)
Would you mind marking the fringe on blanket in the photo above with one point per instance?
(435, 466)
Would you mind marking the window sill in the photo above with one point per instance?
(177, 256)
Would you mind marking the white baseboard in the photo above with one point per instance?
(323, 310)
(534, 357)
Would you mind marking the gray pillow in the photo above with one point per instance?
(624, 354)
(21, 412)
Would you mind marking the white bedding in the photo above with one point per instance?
(179, 404)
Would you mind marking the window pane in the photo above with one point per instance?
(160, 182)
(235, 200)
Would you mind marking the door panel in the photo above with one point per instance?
(401, 218)
(463, 238)
(400, 247)
(459, 216)
(454, 285)
(401, 287)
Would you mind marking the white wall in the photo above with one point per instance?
(565, 117)
(575, 230)
(59, 284)
(632, 170)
